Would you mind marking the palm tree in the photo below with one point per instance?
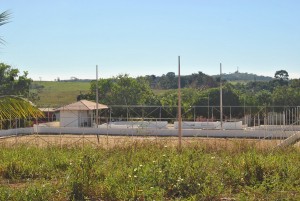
(14, 107)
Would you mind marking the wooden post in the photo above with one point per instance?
(221, 97)
(97, 96)
(208, 107)
(179, 107)
(97, 101)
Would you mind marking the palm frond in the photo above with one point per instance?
(17, 107)
(4, 17)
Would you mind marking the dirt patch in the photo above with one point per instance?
(113, 141)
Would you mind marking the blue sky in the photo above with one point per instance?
(65, 38)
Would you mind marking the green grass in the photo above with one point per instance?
(148, 172)
(55, 94)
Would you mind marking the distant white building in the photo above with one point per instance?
(79, 114)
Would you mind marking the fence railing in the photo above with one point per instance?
(251, 116)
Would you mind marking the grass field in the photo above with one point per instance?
(55, 94)
(146, 169)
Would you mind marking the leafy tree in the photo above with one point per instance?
(295, 83)
(282, 75)
(150, 79)
(258, 86)
(168, 81)
(192, 97)
(263, 98)
(188, 98)
(286, 96)
(169, 101)
(11, 83)
(230, 98)
(200, 81)
(123, 90)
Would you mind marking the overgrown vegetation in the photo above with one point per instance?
(149, 172)
(14, 95)
(277, 95)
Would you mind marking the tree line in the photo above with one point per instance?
(202, 91)
(169, 81)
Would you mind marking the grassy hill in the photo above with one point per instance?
(55, 94)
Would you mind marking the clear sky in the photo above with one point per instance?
(65, 38)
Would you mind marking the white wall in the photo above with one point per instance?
(167, 132)
(11, 132)
(209, 125)
(69, 119)
(84, 119)
(151, 132)
(75, 119)
(136, 124)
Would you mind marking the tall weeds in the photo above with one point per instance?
(147, 171)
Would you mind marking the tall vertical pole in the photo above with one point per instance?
(97, 97)
(221, 97)
(97, 101)
(297, 115)
(245, 110)
(194, 113)
(179, 107)
(208, 107)
(160, 113)
(230, 113)
(293, 119)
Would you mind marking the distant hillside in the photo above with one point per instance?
(55, 94)
(58, 93)
(237, 76)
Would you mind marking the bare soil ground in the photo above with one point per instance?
(117, 141)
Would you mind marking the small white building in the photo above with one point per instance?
(51, 114)
(79, 114)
